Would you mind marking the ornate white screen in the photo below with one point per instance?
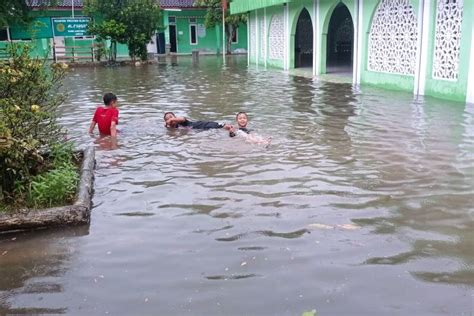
(276, 38)
(393, 38)
(263, 34)
(447, 39)
(253, 37)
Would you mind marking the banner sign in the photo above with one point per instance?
(201, 30)
(69, 27)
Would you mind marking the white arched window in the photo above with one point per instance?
(276, 37)
(393, 38)
(447, 39)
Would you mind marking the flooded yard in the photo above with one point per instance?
(363, 203)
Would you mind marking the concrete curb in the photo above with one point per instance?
(77, 213)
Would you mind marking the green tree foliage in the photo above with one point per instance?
(130, 22)
(13, 11)
(17, 11)
(214, 17)
(29, 100)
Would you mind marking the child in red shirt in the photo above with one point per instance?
(106, 117)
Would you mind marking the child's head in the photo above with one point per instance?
(110, 99)
(168, 115)
(242, 119)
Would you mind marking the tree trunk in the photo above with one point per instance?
(230, 32)
(113, 51)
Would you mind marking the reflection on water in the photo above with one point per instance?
(32, 266)
(363, 203)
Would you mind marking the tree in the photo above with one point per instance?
(131, 22)
(214, 17)
(13, 11)
(29, 99)
(18, 11)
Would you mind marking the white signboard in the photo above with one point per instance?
(201, 30)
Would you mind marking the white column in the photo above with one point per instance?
(265, 37)
(257, 37)
(317, 52)
(286, 63)
(355, 43)
(470, 82)
(315, 37)
(248, 40)
(359, 6)
(422, 47)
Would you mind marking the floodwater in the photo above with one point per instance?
(363, 203)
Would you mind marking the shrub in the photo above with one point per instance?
(29, 100)
(58, 185)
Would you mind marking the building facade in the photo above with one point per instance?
(58, 31)
(61, 32)
(185, 30)
(424, 46)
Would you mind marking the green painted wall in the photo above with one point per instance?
(454, 90)
(210, 42)
(242, 6)
(450, 89)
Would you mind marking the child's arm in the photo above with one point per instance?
(171, 122)
(113, 129)
(228, 127)
(91, 127)
(93, 122)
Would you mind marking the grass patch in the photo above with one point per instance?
(55, 185)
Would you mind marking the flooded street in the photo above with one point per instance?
(363, 203)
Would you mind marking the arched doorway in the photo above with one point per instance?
(304, 41)
(340, 41)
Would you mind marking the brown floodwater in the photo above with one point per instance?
(363, 203)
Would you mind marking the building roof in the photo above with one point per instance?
(176, 3)
(55, 3)
(80, 3)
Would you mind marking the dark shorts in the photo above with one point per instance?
(205, 125)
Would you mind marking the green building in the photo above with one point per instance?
(185, 30)
(59, 32)
(424, 46)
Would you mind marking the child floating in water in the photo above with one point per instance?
(242, 130)
(173, 121)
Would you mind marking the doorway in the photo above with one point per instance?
(340, 41)
(304, 41)
(173, 42)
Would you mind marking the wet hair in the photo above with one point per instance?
(166, 113)
(237, 115)
(109, 98)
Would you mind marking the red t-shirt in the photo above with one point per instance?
(104, 116)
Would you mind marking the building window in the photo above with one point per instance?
(172, 20)
(193, 34)
(4, 35)
(449, 15)
(393, 38)
(85, 37)
(235, 36)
